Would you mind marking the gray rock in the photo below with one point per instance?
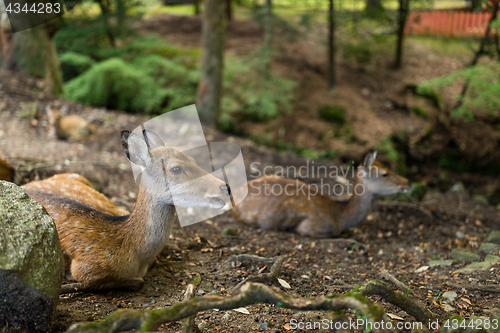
(461, 254)
(492, 259)
(475, 266)
(494, 237)
(489, 248)
(450, 295)
(31, 263)
(433, 263)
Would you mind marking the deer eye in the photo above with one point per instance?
(176, 170)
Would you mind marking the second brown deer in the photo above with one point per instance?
(293, 208)
(103, 249)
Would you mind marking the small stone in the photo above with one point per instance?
(492, 259)
(229, 232)
(448, 308)
(422, 269)
(489, 248)
(450, 295)
(461, 254)
(475, 266)
(433, 263)
(225, 316)
(263, 326)
(494, 237)
(460, 235)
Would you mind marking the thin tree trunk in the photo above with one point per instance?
(229, 10)
(268, 39)
(197, 7)
(403, 13)
(105, 13)
(476, 5)
(34, 54)
(373, 8)
(210, 87)
(331, 44)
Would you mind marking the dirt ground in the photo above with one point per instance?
(398, 238)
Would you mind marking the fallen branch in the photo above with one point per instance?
(407, 205)
(489, 288)
(262, 277)
(405, 302)
(401, 286)
(250, 294)
(188, 324)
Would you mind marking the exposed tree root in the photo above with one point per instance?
(262, 277)
(404, 301)
(407, 205)
(401, 286)
(489, 288)
(188, 324)
(250, 294)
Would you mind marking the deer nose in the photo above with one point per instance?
(225, 189)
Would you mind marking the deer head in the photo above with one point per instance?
(378, 179)
(170, 175)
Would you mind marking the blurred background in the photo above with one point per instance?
(319, 79)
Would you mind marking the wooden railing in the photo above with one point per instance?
(453, 23)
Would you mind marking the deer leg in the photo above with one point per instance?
(133, 285)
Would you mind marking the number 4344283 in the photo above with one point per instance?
(36, 8)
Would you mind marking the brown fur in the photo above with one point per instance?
(103, 249)
(72, 128)
(317, 215)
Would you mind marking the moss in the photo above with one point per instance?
(74, 64)
(420, 111)
(332, 113)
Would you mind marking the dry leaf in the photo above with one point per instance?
(394, 316)
(284, 284)
(242, 310)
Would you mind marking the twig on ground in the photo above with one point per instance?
(188, 324)
(405, 302)
(405, 204)
(262, 277)
(401, 286)
(250, 294)
(489, 288)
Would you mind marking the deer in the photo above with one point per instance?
(68, 127)
(294, 209)
(104, 249)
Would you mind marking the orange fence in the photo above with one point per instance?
(447, 23)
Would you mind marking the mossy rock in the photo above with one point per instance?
(31, 262)
(489, 248)
(494, 237)
(461, 254)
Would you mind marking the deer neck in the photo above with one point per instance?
(149, 226)
(350, 213)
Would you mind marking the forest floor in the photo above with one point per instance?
(399, 238)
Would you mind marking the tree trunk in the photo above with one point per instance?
(475, 5)
(403, 13)
(210, 87)
(229, 9)
(197, 7)
(268, 40)
(331, 44)
(373, 8)
(33, 53)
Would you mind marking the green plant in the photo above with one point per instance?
(333, 113)
(74, 64)
(483, 91)
(116, 85)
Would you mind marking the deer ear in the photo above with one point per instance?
(135, 149)
(369, 158)
(152, 139)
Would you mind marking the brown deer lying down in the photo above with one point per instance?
(294, 209)
(104, 250)
(68, 127)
